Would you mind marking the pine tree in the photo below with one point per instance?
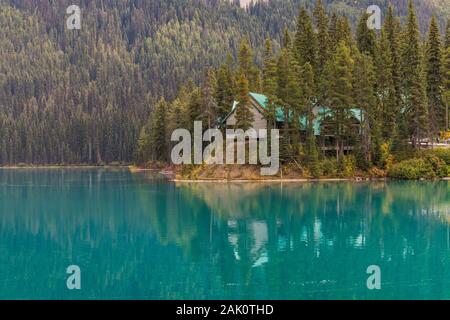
(195, 106)
(308, 100)
(143, 152)
(447, 34)
(283, 68)
(333, 32)
(446, 85)
(270, 83)
(178, 111)
(247, 66)
(305, 43)
(323, 47)
(364, 99)
(269, 71)
(323, 37)
(391, 29)
(366, 38)
(414, 90)
(288, 97)
(158, 135)
(313, 156)
(245, 58)
(307, 88)
(244, 116)
(340, 30)
(292, 102)
(287, 42)
(434, 77)
(225, 87)
(446, 75)
(339, 95)
(210, 108)
(344, 32)
(385, 87)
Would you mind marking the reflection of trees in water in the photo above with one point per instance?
(61, 204)
(106, 222)
(221, 240)
(324, 224)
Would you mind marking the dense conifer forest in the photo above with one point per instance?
(112, 91)
(397, 78)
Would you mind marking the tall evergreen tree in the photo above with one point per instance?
(270, 83)
(244, 116)
(292, 102)
(366, 38)
(158, 135)
(324, 44)
(143, 152)
(434, 77)
(195, 107)
(210, 107)
(415, 107)
(247, 66)
(385, 87)
(392, 30)
(269, 71)
(323, 37)
(178, 111)
(446, 75)
(308, 100)
(365, 100)
(447, 34)
(339, 95)
(305, 43)
(333, 32)
(287, 41)
(288, 97)
(344, 32)
(446, 85)
(307, 89)
(225, 87)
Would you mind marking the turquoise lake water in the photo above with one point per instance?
(137, 236)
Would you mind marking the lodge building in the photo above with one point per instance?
(322, 124)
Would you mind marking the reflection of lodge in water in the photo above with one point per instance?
(283, 236)
(259, 233)
(263, 218)
(279, 214)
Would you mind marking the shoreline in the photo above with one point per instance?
(75, 166)
(170, 176)
(299, 180)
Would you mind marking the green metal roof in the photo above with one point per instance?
(316, 125)
(357, 114)
(262, 100)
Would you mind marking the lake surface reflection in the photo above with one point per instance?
(138, 236)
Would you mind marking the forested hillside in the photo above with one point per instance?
(397, 80)
(82, 96)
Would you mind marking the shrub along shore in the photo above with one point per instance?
(417, 165)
